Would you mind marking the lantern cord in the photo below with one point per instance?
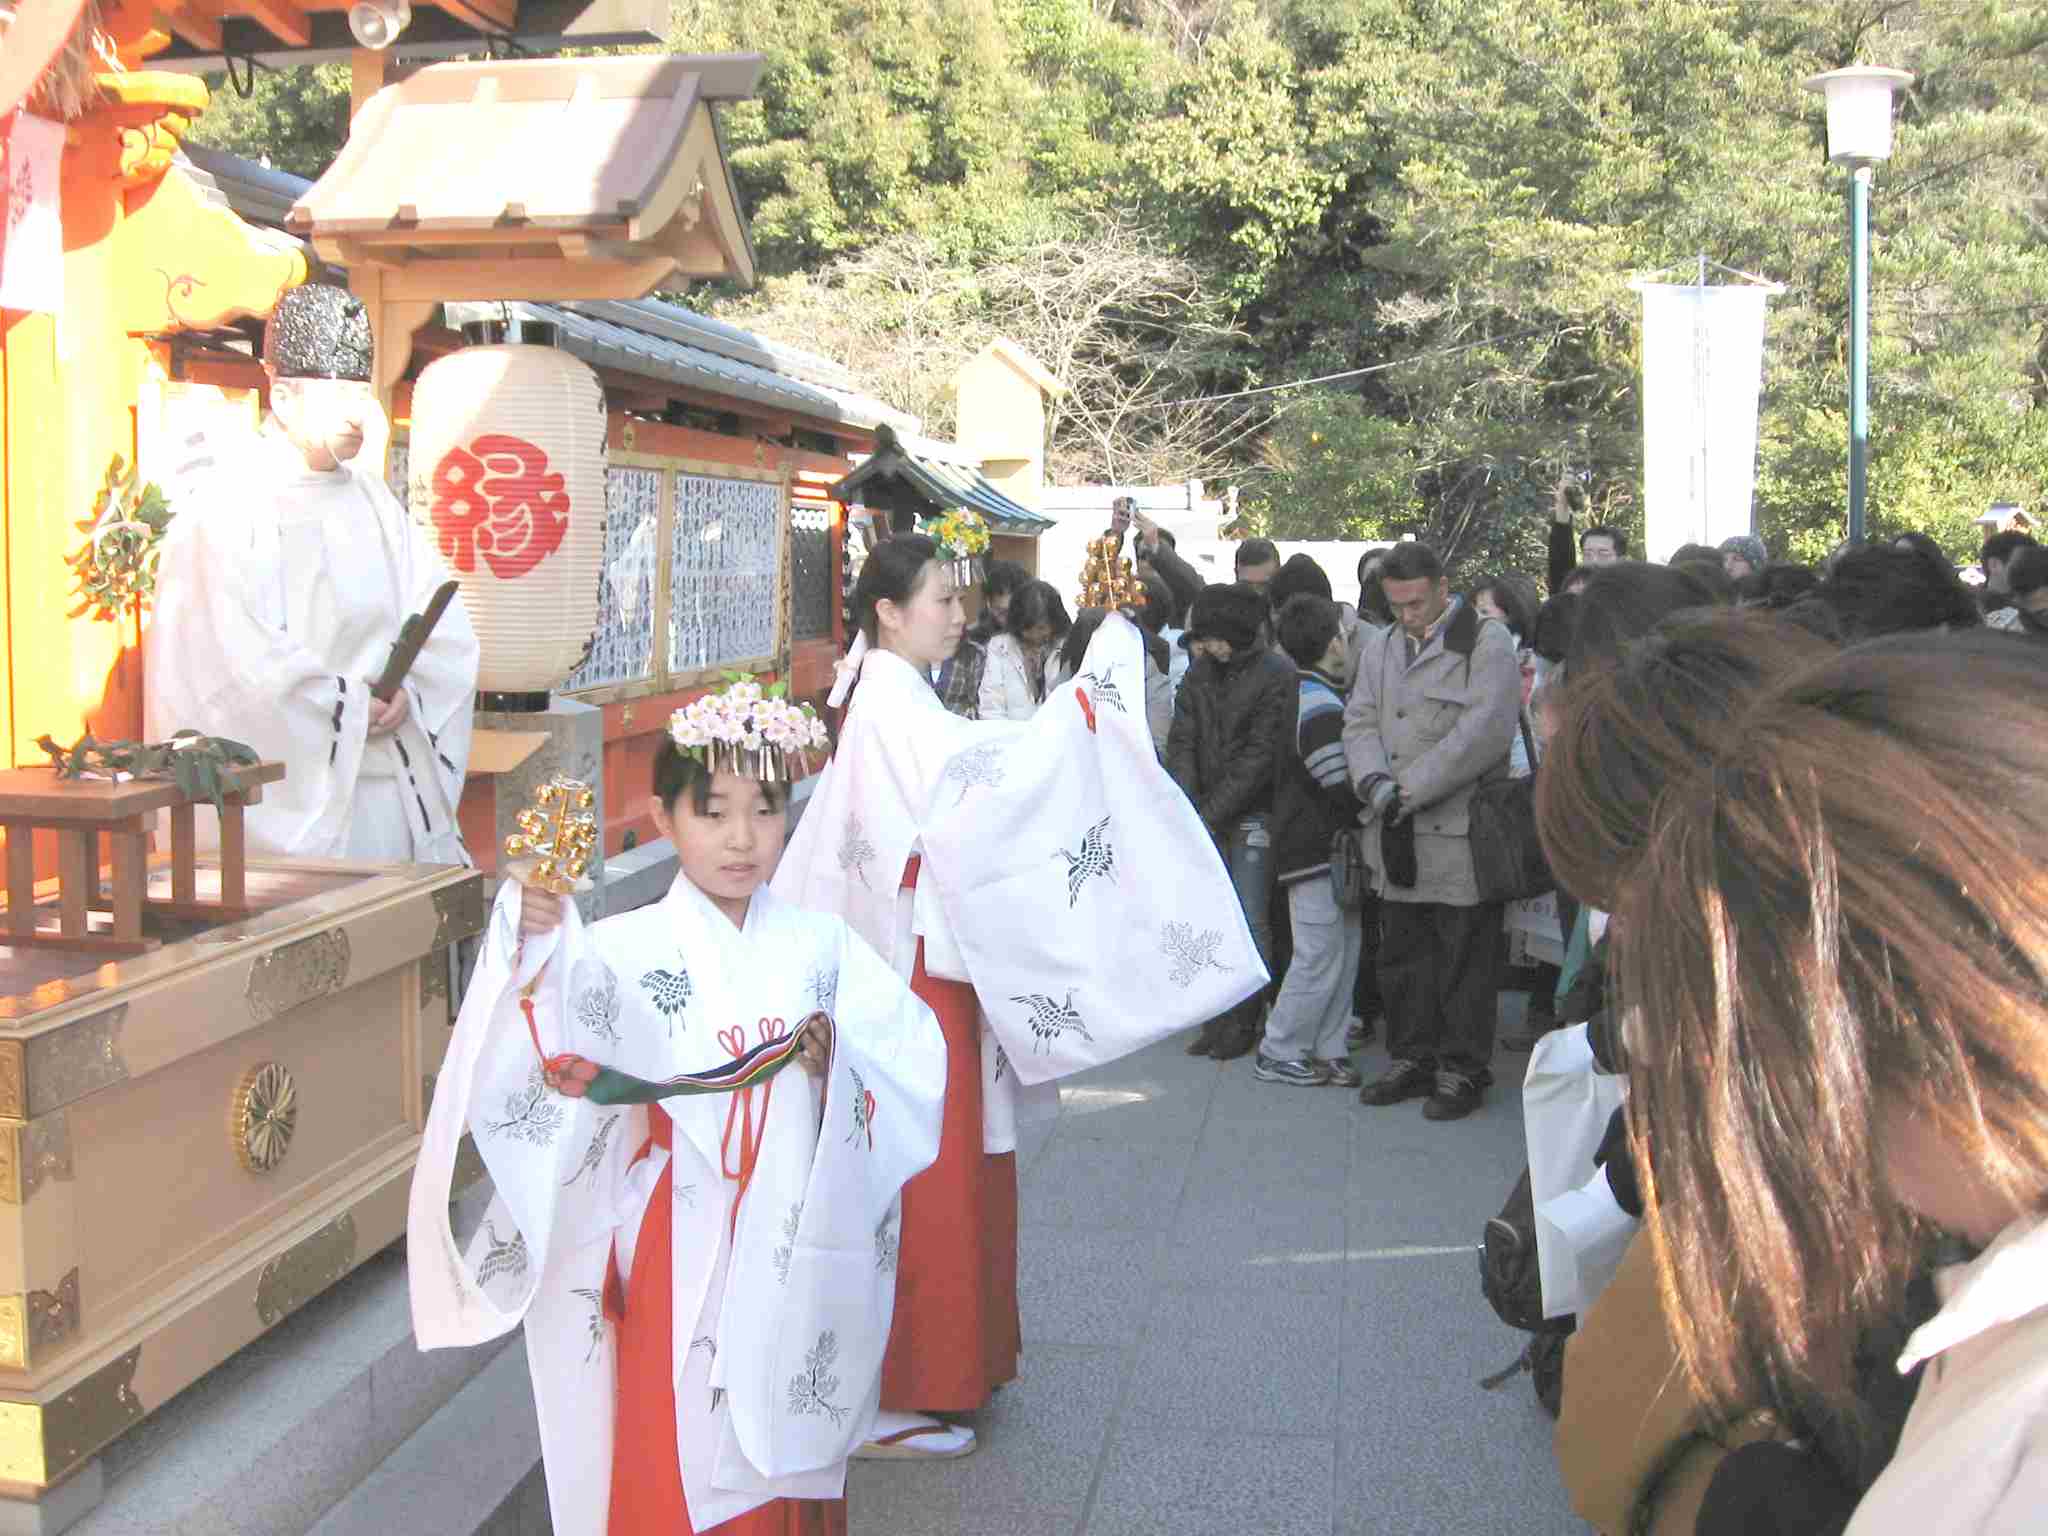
(245, 83)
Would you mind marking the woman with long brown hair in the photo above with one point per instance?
(1832, 954)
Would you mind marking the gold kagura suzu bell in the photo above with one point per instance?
(558, 832)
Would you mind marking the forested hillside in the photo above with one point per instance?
(1170, 201)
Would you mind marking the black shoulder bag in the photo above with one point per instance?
(1507, 856)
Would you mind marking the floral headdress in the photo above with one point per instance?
(963, 538)
(749, 730)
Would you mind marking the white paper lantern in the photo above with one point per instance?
(506, 471)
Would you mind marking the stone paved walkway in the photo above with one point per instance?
(1249, 1311)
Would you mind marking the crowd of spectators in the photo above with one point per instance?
(1794, 817)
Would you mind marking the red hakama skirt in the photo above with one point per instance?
(956, 1334)
(647, 1480)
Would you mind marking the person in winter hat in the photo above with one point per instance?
(1234, 615)
(1231, 723)
(1743, 555)
(1300, 574)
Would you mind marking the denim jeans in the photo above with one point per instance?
(1248, 853)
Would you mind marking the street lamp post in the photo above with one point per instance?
(1859, 106)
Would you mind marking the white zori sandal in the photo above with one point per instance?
(915, 1437)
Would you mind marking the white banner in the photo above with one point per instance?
(1703, 359)
(31, 224)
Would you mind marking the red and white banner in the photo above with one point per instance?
(32, 229)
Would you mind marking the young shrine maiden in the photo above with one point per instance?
(1046, 888)
(286, 576)
(701, 1245)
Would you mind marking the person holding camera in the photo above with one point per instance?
(1601, 544)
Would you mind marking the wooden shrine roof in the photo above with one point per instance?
(490, 179)
(895, 479)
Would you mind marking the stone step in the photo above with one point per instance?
(270, 1441)
(473, 1469)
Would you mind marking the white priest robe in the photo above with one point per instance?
(781, 1314)
(1064, 875)
(279, 594)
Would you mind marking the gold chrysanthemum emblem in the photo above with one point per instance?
(266, 1111)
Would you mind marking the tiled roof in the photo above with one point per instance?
(939, 485)
(604, 342)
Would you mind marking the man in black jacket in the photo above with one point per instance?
(1233, 719)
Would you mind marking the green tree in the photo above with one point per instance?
(293, 119)
(1534, 155)
(1453, 195)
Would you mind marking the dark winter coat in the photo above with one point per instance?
(1231, 725)
(1181, 579)
(1564, 555)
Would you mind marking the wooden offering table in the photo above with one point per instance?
(197, 1140)
(80, 812)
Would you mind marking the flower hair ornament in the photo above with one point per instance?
(963, 538)
(749, 730)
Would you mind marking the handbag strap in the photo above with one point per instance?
(1528, 741)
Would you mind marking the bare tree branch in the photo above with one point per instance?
(1124, 324)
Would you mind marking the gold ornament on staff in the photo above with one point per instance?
(558, 834)
(1107, 579)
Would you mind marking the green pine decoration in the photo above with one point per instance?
(116, 566)
(201, 766)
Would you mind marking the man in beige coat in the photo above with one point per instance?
(1432, 712)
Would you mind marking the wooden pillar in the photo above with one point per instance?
(131, 876)
(368, 71)
(392, 321)
(21, 877)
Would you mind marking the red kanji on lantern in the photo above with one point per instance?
(496, 499)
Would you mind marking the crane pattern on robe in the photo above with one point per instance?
(792, 1223)
(594, 1299)
(863, 1110)
(1102, 687)
(669, 991)
(1096, 858)
(1050, 1020)
(593, 1155)
(502, 1256)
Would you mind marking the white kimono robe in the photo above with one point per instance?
(279, 594)
(780, 1326)
(1065, 875)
